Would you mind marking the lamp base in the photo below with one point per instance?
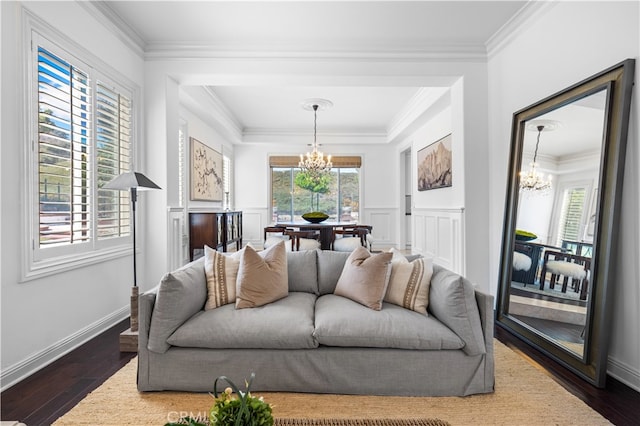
(129, 341)
(134, 308)
(129, 338)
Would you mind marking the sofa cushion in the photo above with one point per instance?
(303, 271)
(221, 270)
(180, 295)
(409, 282)
(262, 276)
(452, 300)
(330, 266)
(284, 324)
(365, 277)
(343, 322)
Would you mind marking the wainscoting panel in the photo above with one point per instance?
(383, 221)
(253, 223)
(178, 235)
(439, 234)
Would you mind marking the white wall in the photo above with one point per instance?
(468, 80)
(43, 318)
(567, 43)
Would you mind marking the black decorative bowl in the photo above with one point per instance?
(315, 217)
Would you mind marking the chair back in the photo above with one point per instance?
(296, 235)
(351, 231)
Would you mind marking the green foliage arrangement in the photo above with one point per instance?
(316, 183)
(525, 235)
(243, 409)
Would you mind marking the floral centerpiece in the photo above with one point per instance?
(243, 409)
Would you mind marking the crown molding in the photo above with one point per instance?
(194, 52)
(204, 103)
(300, 137)
(116, 25)
(518, 24)
(406, 119)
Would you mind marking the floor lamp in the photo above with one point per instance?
(134, 182)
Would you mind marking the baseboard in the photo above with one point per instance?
(17, 372)
(624, 373)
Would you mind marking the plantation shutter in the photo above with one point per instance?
(571, 219)
(113, 141)
(64, 151)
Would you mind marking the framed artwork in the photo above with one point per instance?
(206, 172)
(434, 165)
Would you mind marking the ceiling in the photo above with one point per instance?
(346, 28)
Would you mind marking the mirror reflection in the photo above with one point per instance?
(555, 225)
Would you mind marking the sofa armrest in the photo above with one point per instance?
(145, 309)
(452, 301)
(485, 307)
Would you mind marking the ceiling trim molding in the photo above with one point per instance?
(424, 99)
(116, 25)
(517, 24)
(194, 52)
(300, 137)
(211, 110)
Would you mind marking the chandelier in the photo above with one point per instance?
(533, 180)
(314, 162)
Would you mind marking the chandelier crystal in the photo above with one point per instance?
(314, 162)
(532, 180)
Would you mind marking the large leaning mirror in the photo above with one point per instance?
(560, 224)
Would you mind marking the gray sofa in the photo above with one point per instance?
(315, 341)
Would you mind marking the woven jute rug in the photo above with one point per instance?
(359, 422)
(524, 395)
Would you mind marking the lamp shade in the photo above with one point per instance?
(128, 180)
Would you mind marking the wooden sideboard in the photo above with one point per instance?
(215, 229)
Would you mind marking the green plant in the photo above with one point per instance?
(241, 409)
(317, 183)
(525, 235)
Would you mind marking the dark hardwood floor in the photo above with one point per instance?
(51, 392)
(48, 394)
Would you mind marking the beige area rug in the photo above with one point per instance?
(524, 395)
(361, 422)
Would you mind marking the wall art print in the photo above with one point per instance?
(206, 172)
(434, 165)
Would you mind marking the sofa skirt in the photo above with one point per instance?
(367, 371)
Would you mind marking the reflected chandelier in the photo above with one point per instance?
(533, 180)
(313, 162)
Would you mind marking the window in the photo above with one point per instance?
(82, 138)
(571, 215)
(338, 195)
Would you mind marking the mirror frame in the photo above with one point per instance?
(618, 80)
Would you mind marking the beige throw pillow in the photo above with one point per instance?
(365, 277)
(262, 277)
(221, 270)
(409, 282)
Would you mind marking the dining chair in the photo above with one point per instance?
(302, 240)
(566, 265)
(274, 234)
(350, 237)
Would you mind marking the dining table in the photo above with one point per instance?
(325, 228)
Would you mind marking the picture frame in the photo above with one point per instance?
(434, 165)
(205, 175)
